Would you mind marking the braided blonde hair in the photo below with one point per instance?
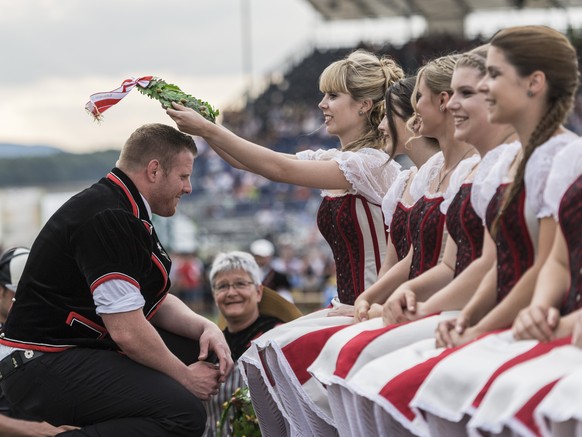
(475, 58)
(363, 75)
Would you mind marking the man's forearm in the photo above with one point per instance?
(176, 317)
(139, 340)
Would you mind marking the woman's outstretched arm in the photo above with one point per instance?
(278, 167)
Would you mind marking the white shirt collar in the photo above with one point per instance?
(147, 205)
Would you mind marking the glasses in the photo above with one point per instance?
(237, 285)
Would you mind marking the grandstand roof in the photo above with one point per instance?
(441, 15)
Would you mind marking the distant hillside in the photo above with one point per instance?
(55, 168)
(19, 151)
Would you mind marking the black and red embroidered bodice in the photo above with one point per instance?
(570, 217)
(426, 223)
(355, 231)
(515, 250)
(465, 228)
(399, 231)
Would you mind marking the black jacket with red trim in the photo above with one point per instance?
(102, 233)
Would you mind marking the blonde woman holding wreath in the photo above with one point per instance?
(353, 178)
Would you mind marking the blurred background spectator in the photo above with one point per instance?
(263, 251)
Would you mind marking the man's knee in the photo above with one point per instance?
(189, 417)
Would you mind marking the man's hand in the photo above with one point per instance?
(536, 323)
(203, 379)
(138, 338)
(400, 307)
(213, 339)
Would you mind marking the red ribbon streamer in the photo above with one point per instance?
(100, 102)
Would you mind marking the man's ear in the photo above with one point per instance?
(152, 170)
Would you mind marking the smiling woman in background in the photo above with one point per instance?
(248, 310)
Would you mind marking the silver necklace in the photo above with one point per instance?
(443, 177)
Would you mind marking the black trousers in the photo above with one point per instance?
(108, 394)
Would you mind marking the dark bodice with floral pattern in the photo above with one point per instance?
(515, 250)
(399, 231)
(339, 221)
(570, 216)
(465, 228)
(426, 223)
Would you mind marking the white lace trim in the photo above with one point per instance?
(367, 170)
(537, 170)
(427, 173)
(395, 193)
(566, 168)
(457, 179)
(491, 173)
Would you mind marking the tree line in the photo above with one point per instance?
(60, 168)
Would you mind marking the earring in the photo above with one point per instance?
(441, 108)
(529, 93)
(360, 112)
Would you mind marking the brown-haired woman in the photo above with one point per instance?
(531, 83)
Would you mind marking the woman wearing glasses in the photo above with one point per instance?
(248, 310)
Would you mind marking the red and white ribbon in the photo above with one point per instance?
(100, 102)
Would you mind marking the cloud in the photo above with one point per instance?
(58, 52)
(68, 38)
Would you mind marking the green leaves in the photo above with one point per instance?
(243, 422)
(166, 93)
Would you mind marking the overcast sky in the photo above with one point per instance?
(56, 53)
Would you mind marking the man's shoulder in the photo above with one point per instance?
(93, 200)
